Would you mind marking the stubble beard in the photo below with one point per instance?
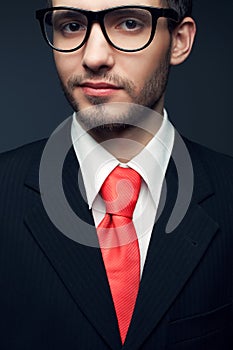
(99, 118)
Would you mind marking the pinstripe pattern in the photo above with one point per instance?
(54, 292)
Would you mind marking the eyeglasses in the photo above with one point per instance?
(126, 28)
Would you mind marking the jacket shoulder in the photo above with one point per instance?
(16, 162)
(218, 166)
(209, 156)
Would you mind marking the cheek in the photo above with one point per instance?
(144, 69)
(138, 68)
(67, 65)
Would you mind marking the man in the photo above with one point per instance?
(90, 258)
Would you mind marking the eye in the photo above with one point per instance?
(72, 27)
(130, 25)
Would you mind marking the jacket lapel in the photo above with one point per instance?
(172, 258)
(79, 266)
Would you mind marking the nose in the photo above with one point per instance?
(98, 53)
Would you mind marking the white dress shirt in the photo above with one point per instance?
(151, 163)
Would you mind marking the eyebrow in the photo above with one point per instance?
(63, 14)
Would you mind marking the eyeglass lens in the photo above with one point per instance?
(128, 29)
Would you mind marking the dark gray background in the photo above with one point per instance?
(199, 96)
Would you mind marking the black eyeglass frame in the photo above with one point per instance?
(98, 16)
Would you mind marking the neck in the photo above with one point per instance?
(126, 141)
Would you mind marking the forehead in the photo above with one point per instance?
(96, 5)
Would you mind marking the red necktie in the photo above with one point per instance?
(119, 244)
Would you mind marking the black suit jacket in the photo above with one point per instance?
(54, 292)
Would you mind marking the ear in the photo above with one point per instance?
(182, 41)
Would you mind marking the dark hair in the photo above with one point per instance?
(183, 7)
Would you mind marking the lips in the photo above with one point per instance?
(99, 88)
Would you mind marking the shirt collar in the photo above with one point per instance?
(96, 162)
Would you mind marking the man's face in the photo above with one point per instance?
(98, 73)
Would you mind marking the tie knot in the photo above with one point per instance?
(120, 191)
